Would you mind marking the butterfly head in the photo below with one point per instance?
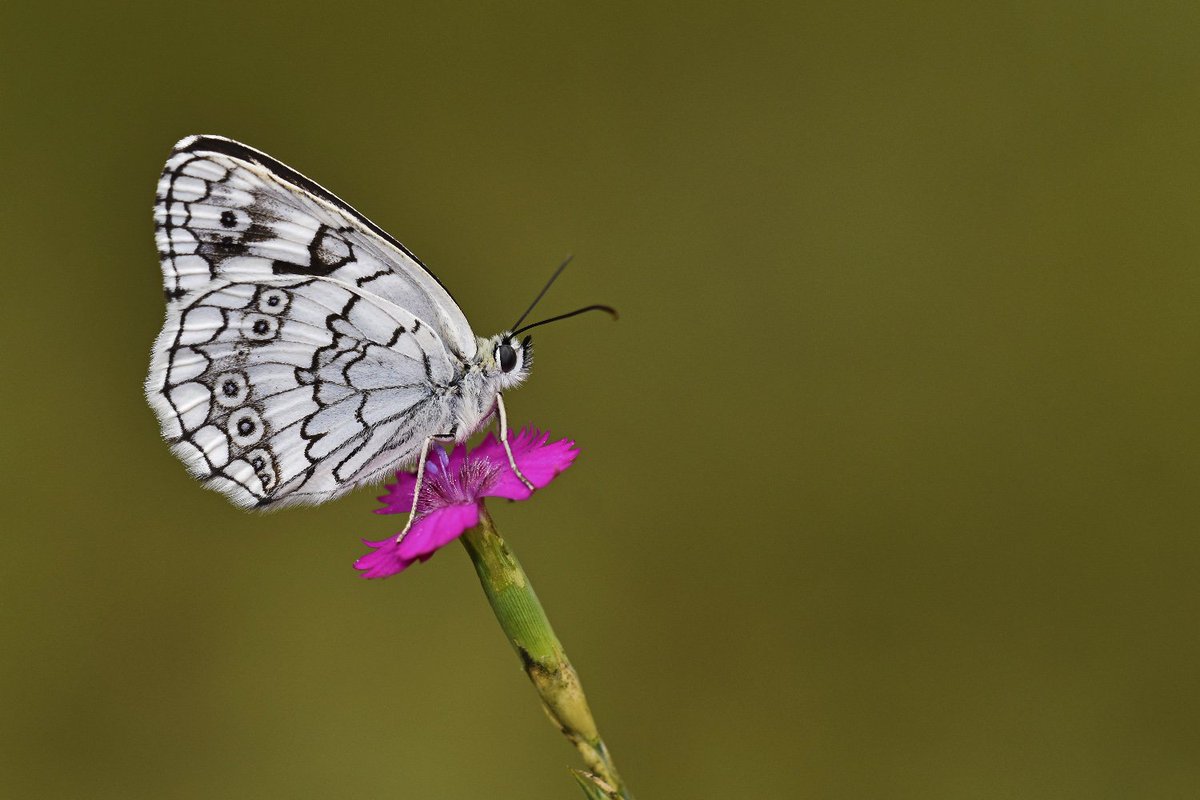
(507, 359)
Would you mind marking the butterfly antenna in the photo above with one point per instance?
(608, 309)
(545, 289)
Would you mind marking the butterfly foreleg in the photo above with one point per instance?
(512, 462)
(412, 514)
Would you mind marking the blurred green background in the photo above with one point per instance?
(889, 471)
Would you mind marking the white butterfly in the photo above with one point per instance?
(305, 351)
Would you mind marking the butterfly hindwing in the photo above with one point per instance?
(292, 389)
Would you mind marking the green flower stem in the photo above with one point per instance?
(525, 623)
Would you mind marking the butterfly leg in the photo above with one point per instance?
(512, 462)
(412, 514)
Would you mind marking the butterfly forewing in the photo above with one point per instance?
(227, 210)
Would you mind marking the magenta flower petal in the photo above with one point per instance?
(399, 497)
(453, 490)
(427, 535)
(538, 461)
(385, 560)
(436, 529)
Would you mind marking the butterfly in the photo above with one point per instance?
(306, 351)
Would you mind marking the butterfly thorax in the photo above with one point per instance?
(485, 376)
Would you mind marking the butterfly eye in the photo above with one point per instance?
(507, 357)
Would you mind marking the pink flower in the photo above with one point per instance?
(452, 494)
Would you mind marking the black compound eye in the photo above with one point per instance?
(507, 357)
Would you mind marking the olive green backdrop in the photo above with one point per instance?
(889, 471)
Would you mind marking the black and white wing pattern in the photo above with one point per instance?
(226, 210)
(304, 351)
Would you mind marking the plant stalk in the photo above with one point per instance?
(524, 622)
